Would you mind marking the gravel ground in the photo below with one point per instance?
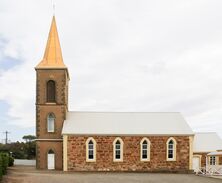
(26, 174)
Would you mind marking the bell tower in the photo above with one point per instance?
(51, 103)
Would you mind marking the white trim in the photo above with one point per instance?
(94, 150)
(48, 140)
(65, 158)
(50, 103)
(191, 152)
(121, 150)
(148, 149)
(174, 149)
(202, 152)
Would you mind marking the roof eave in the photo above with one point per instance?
(113, 134)
(53, 68)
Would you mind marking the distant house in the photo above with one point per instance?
(205, 143)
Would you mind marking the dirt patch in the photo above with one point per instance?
(26, 174)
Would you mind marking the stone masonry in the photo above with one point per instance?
(76, 156)
(50, 140)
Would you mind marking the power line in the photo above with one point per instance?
(6, 136)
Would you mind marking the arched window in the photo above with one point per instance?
(145, 149)
(90, 150)
(51, 122)
(51, 91)
(51, 159)
(118, 150)
(51, 151)
(171, 149)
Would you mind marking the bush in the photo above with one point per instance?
(1, 168)
(11, 161)
(5, 162)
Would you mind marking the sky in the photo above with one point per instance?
(122, 55)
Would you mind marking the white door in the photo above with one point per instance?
(196, 163)
(51, 161)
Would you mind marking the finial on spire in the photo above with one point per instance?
(53, 5)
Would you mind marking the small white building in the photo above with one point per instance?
(206, 150)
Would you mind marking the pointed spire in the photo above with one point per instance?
(53, 53)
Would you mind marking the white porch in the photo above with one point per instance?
(213, 166)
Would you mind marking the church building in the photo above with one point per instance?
(102, 141)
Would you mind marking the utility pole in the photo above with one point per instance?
(6, 136)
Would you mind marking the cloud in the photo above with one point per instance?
(122, 56)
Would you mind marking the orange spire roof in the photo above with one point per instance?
(53, 53)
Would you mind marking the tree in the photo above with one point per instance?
(21, 150)
(29, 138)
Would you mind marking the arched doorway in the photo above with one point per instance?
(51, 160)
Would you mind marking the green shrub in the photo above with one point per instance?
(5, 162)
(11, 161)
(1, 168)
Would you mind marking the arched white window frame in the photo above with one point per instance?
(147, 149)
(174, 148)
(51, 122)
(87, 150)
(121, 149)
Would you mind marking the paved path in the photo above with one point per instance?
(25, 174)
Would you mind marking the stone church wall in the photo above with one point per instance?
(76, 154)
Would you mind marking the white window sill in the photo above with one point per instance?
(50, 103)
(145, 160)
(171, 159)
(118, 160)
(90, 160)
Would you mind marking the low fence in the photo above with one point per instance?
(25, 162)
(210, 170)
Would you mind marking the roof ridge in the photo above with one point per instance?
(118, 112)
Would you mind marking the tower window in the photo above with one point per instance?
(51, 122)
(51, 91)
